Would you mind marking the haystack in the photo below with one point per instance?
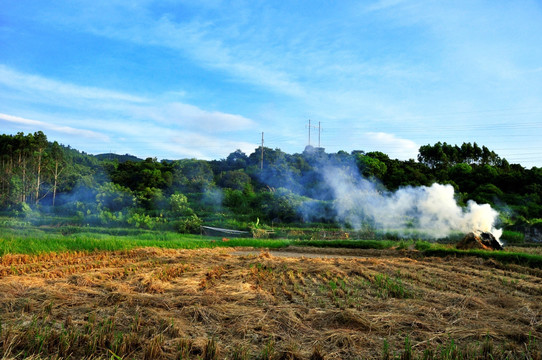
(479, 240)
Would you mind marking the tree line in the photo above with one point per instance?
(38, 174)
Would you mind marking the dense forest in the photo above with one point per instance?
(39, 176)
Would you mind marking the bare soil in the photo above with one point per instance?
(246, 303)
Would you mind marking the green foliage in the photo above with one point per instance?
(178, 205)
(235, 180)
(487, 193)
(42, 174)
(238, 201)
(371, 167)
(145, 221)
(114, 197)
(523, 259)
(422, 245)
(22, 210)
(191, 175)
(33, 240)
(513, 237)
(108, 217)
(189, 225)
(150, 198)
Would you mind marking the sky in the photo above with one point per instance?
(200, 79)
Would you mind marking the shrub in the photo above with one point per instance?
(144, 221)
(190, 224)
(22, 210)
(108, 217)
(178, 205)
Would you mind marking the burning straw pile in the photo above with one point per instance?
(479, 240)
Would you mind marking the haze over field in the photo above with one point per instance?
(176, 79)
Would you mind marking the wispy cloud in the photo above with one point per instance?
(211, 48)
(191, 117)
(382, 5)
(29, 83)
(41, 125)
(209, 147)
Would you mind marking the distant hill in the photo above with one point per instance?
(120, 158)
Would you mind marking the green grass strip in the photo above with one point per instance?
(530, 260)
(36, 242)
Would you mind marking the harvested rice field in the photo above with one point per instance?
(242, 304)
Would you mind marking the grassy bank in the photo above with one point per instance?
(33, 240)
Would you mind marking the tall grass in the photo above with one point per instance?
(513, 237)
(35, 241)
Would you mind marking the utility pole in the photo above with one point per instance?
(310, 127)
(261, 163)
(318, 133)
(309, 132)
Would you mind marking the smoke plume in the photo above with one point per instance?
(432, 210)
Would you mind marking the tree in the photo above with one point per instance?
(39, 146)
(487, 194)
(236, 180)
(236, 160)
(371, 167)
(114, 197)
(192, 176)
(58, 165)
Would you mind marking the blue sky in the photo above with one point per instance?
(200, 79)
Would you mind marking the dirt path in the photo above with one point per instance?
(298, 253)
(316, 252)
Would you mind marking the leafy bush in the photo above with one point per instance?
(22, 210)
(189, 225)
(145, 221)
(178, 205)
(108, 217)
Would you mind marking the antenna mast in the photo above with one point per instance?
(309, 132)
(319, 130)
(318, 133)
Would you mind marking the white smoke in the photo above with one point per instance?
(432, 210)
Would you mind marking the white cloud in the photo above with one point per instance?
(44, 126)
(209, 147)
(191, 117)
(392, 145)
